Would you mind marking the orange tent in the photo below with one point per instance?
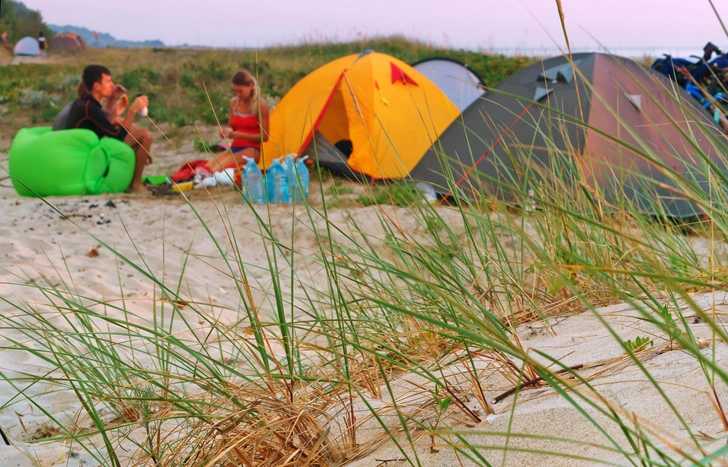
(388, 111)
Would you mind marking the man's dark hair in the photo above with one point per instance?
(93, 74)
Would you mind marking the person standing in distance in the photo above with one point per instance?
(42, 44)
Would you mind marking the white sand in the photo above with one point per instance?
(582, 340)
(38, 244)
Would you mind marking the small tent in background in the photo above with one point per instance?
(68, 42)
(377, 114)
(550, 111)
(27, 46)
(461, 84)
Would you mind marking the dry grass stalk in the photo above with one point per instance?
(270, 431)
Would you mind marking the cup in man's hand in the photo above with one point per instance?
(143, 102)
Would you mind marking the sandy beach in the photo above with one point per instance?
(58, 243)
(514, 251)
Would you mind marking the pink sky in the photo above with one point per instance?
(478, 24)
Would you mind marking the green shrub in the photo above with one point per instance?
(49, 114)
(396, 194)
(187, 81)
(639, 344)
(139, 80)
(30, 99)
(205, 146)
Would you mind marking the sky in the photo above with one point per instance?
(472, 24)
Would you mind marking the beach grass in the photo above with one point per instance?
(315, 378)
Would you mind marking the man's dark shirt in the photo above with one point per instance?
(87, 113)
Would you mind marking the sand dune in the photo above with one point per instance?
(58, 245)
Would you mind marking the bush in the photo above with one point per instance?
(396, 194)
(205, 146)
(139, 80)
(187, 81)
(30, 99)
(49, 114)
(70, 82)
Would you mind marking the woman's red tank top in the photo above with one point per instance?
(246, 123)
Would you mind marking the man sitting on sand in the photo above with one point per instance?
(86, 112)
(61, 120)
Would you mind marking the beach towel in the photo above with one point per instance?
(188, 171)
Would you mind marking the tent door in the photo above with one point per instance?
(335, 125)
(331, 144)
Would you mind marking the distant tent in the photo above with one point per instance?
(27, 46)
(461, 84)
(68, 42)
(550, 110)
(378, 115)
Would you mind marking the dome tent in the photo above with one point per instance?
(68, 42)
(385, 111)
(579, 109)
(457, 80)
(27, 46)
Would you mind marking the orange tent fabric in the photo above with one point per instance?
(388, 110)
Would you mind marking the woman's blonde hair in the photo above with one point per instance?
(82, 89)
(245, 78)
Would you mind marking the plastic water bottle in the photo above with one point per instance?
(277, 183)
(290, 166)
(253, 182)
(301, 178)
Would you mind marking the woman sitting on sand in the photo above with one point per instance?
(247, 121)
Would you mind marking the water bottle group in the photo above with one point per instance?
(285, 182)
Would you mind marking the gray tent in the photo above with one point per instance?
(461, 84)
(510, 137)
(27, 46)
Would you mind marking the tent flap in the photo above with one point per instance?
(541, 92)
(400, 76)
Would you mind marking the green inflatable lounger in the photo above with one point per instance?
(68, 162)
